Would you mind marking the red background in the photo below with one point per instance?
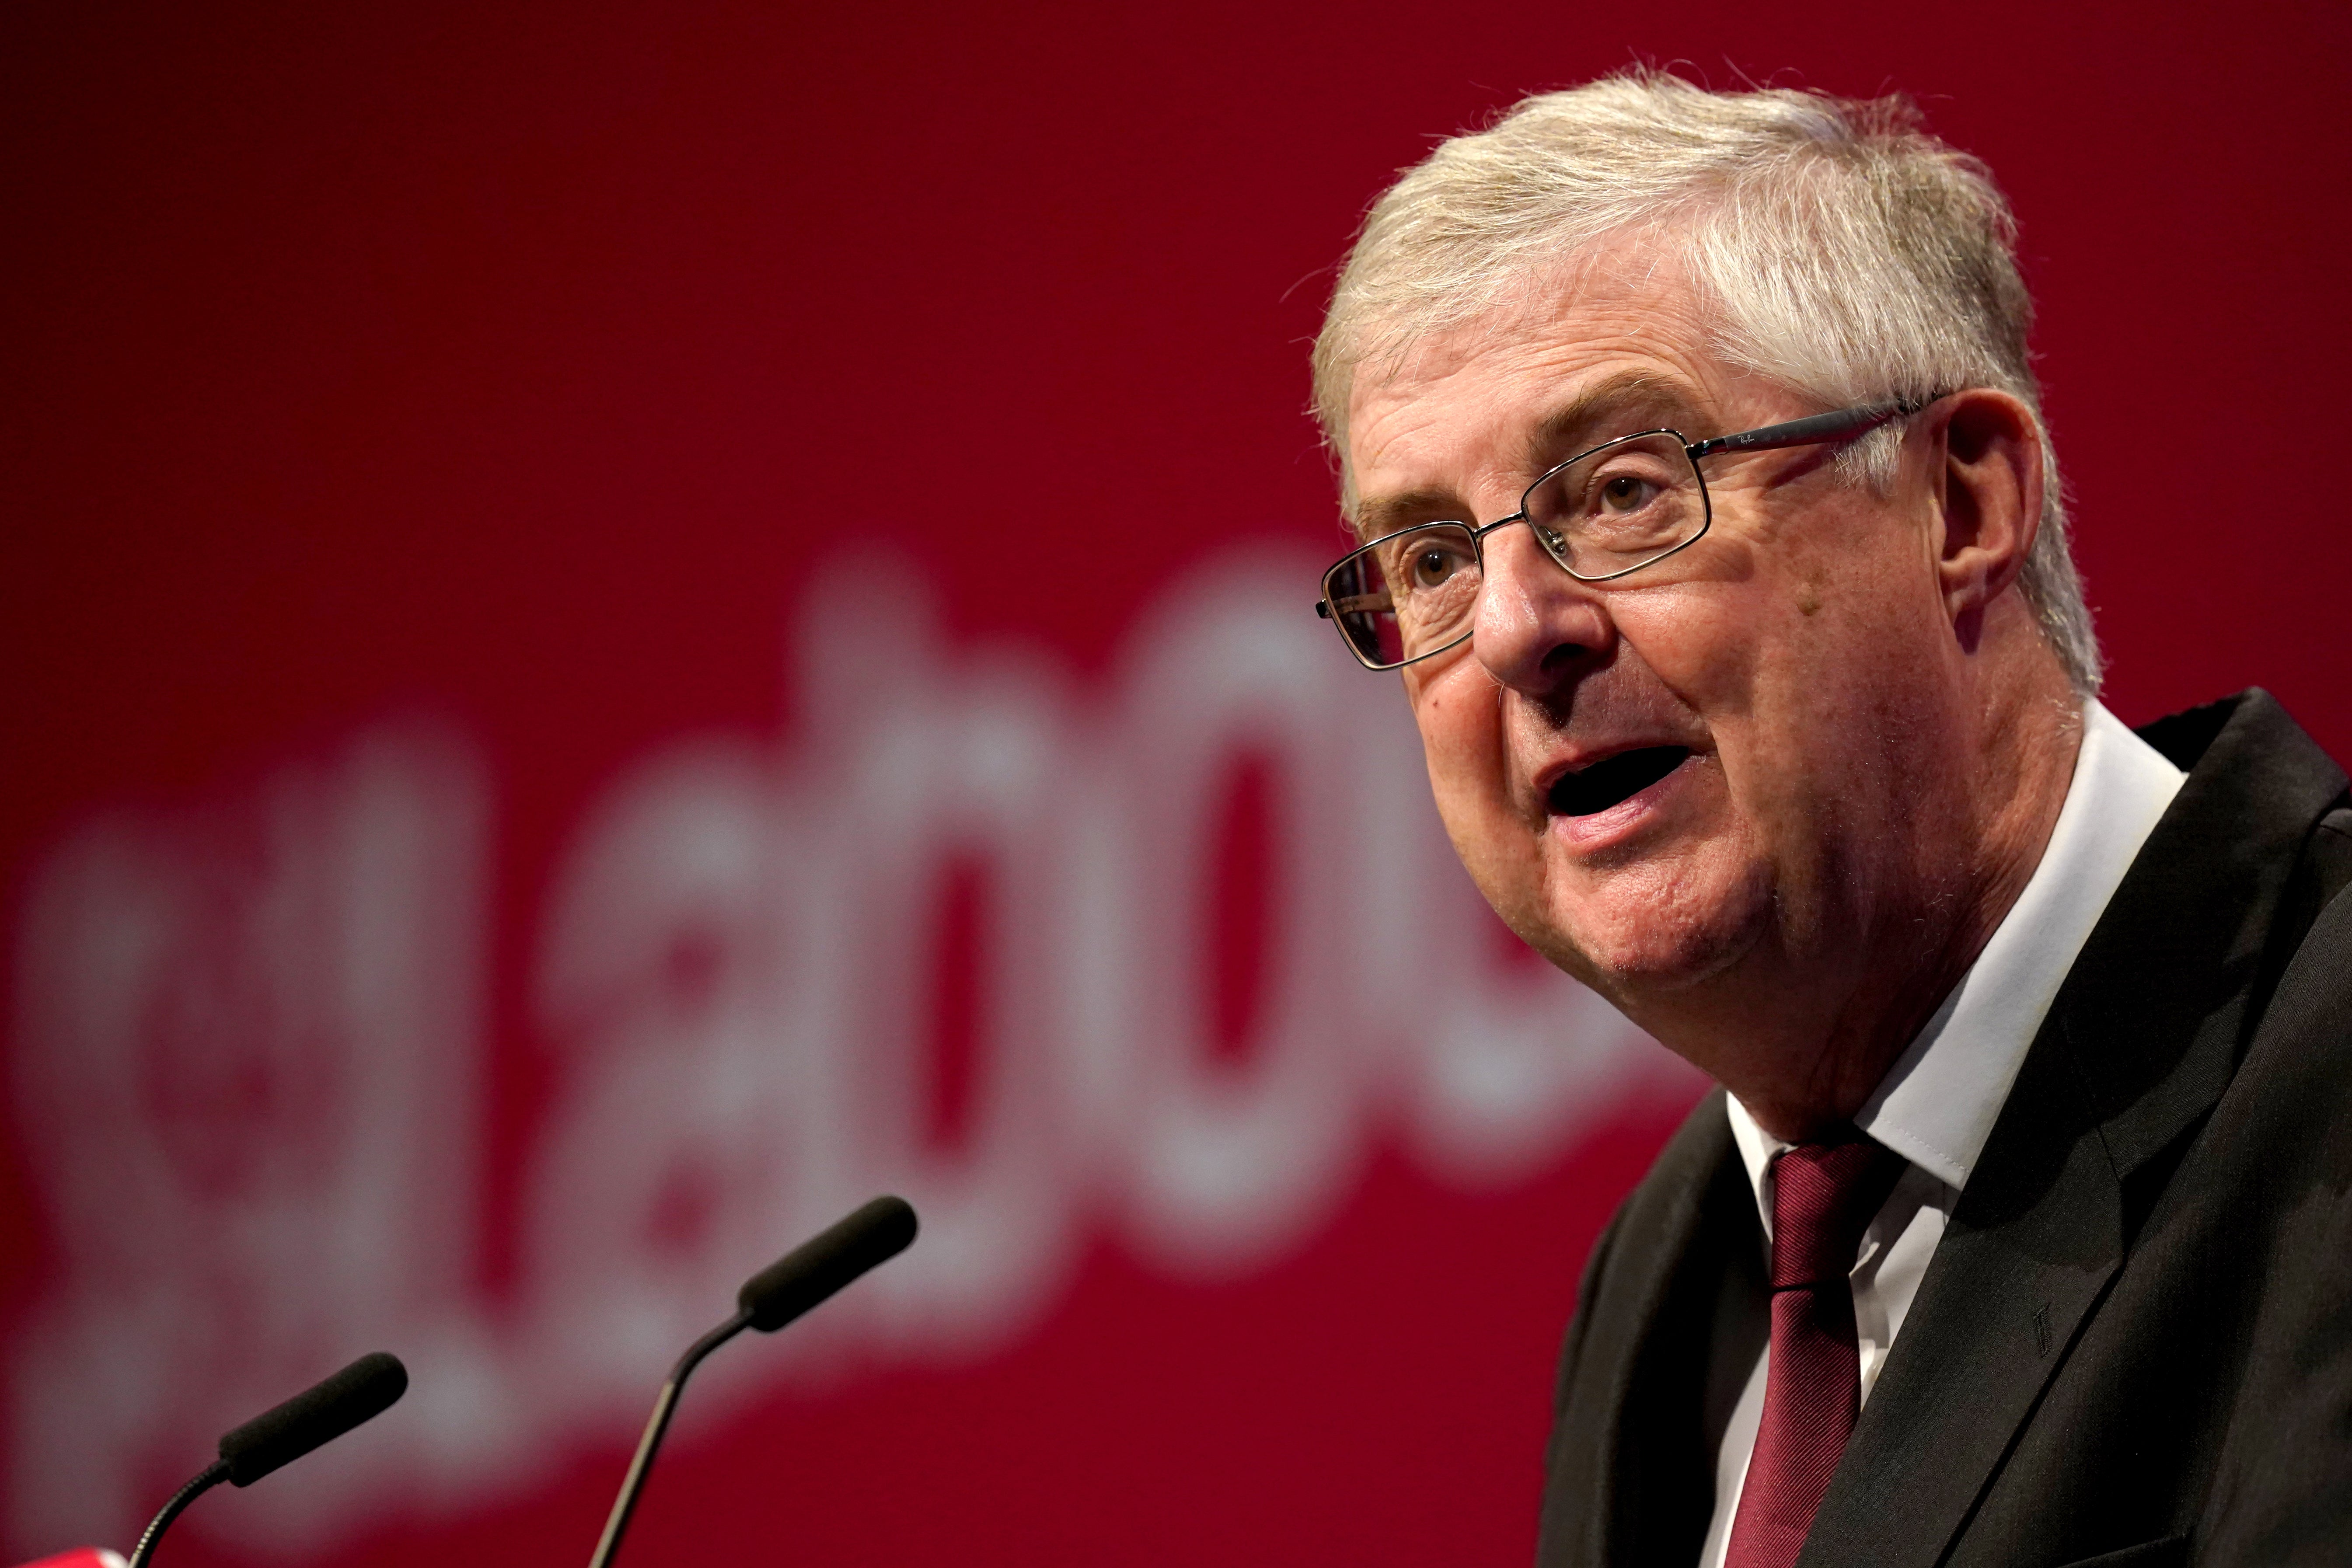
(517, 363)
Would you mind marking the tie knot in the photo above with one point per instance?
(1823, 1197)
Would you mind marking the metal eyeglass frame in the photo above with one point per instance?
(1842, 425)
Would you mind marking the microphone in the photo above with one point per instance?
(769, 1299)
(317, 1415)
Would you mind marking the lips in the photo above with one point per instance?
(1602, 784)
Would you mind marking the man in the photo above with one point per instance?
(1708, 514)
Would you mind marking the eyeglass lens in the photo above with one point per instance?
(1406, 596)
(1414, 594)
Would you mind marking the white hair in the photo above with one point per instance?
(1844, 253)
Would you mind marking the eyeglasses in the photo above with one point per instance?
(1622, 506)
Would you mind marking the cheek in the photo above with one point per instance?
(1806, 668)
(1462, 738)
(1852, 649)
(1784, 602)
(1705, 642)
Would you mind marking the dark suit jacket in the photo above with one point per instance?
(2134, 1345)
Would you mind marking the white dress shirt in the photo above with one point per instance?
(1937, 1103)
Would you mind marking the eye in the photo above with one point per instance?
(1432, 565)
(1625, 493)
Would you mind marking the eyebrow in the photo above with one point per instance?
(1599, 413)
(1619, 405)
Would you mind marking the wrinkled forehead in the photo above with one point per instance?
(1567, 359)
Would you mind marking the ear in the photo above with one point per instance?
(1984, 450)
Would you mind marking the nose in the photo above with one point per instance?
(1537, 629)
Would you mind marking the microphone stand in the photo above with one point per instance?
(808, 1274)
(648, 1445)
(210, 1477)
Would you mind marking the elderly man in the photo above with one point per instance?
(1706, 509)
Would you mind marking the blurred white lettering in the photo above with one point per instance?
(1164, 959)
(246, 1064)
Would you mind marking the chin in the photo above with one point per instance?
(1653, 928)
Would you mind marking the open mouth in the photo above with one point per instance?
(1613, 779)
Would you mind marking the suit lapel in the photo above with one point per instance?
(1629, 1476)
(2141, 1041)
(2035, 1240)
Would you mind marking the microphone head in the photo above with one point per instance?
(318, 1415)
(824, 1264)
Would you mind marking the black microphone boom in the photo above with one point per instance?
(317, 1415)
(314, 1417)
(769, 1299)
(824, 1263)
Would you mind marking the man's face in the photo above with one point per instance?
(1734, 756)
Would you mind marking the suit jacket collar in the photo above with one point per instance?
(2141, 1041)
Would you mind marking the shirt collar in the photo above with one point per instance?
(1936, 1104)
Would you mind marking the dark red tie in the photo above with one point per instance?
(1823, 1197)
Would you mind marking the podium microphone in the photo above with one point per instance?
(768, 1300)
(317, 1415)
